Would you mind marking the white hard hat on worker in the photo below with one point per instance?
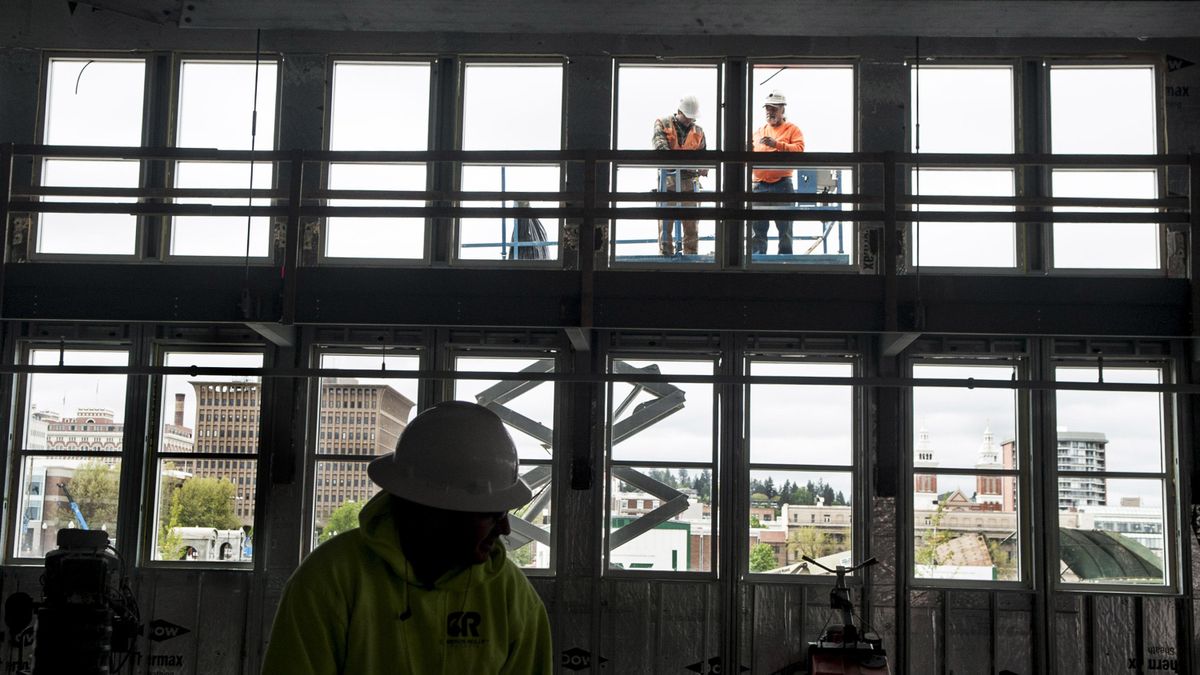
(690, 107)
(455, 456)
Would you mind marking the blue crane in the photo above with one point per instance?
(74, 507)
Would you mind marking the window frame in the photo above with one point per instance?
(1157, 64)
(716, 500)
(1169, 476)
(712, 132)
(399, 345)
(753, 120)
(1026, 502)
(453, 353)
(171, 167)
(860, 524)
(37, 177)
(156, 404)
(431, 168)
(1019, 130)
(18, 453)
(455, 258)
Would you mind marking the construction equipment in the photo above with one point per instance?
(74, 507)
(842, 649)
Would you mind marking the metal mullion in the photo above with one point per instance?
(1130, 475)
(655, 464)
(343, 457)
(70, 453)
(968, 471)
(810, 468)
(208, 455)
(131, 513)
(10, 399)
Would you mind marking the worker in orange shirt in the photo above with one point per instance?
(777, 135)
(679, 132)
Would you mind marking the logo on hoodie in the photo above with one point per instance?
(463, 628)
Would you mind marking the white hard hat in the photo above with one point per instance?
(775, 98)
(455, 456)
(688, 105)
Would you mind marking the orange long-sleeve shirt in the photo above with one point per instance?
(788, 138)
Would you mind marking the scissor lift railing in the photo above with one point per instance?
(879, 200)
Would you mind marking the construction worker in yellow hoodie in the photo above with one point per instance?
(423, 586)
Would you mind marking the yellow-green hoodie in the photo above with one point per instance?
(343, 612)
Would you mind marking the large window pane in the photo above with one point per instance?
(661, 519)
(216, 104)
(375, 237)
(92, 102)
(1103, 245)
(964, 244)
(971, 531)
(795, 514)
(1130, 422)
(356, 418)
(638, 240)
(223, 236)
(801, 424)
(378, 106)
(963, 109)
(207, 469)
(90, 233)
(1123, 541)
(1126, 94)
(662, 421)
(962, 428)
(520, 238)
(527, 408)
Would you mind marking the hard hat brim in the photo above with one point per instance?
(384, 472)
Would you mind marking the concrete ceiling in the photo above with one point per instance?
(810, 18)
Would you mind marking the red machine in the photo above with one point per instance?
(842, 649)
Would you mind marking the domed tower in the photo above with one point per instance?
(924, 480)
(989, 489)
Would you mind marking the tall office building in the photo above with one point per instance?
(355, 419)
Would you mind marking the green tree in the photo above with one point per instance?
(754, 521)
(933, 537)
(702, 484)
(94, 487)
(809, 541)
(207, 502)
(343, 519)
(762, 558)
(521, 557)
(170, 543)
(1003, 559)
(769, 487)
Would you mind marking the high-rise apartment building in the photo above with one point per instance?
(1081, 451)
